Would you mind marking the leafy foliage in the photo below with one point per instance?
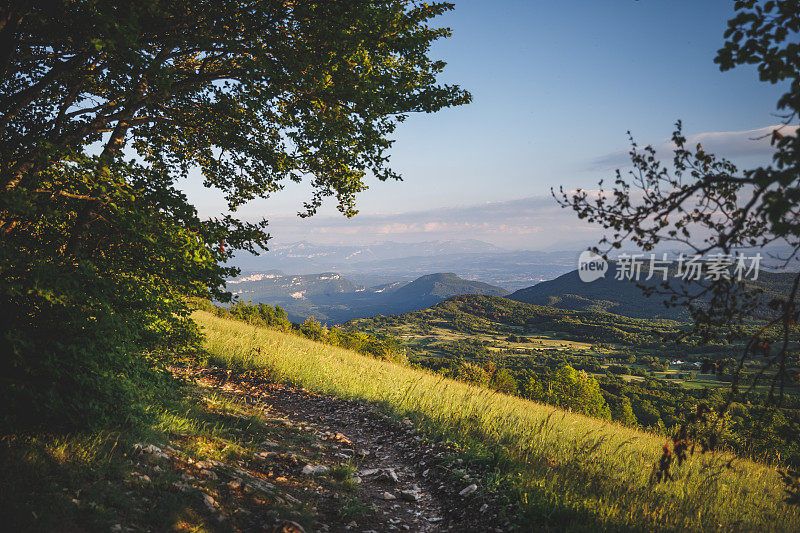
(98, 251)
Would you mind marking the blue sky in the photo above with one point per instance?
(556, 85)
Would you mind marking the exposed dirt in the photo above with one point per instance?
(403, 482)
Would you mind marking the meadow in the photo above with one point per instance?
(559, 470)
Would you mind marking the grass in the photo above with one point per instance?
(560, 470)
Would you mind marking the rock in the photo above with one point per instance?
(210, 503)
(469, 489)
(235, 484)
(311, 470)
(426, 472)
(209, 474)
(484, 507)
(116, 527)
(409, 495)
(263, 456)
(270, 444)
(180, 485)
(388, 496)
(389, 475)
(369, 471)
(150, 449)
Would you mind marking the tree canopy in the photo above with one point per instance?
(105, 105)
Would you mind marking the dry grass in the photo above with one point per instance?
(563, 470)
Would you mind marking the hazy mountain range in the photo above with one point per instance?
(393, 261)
(332, 298)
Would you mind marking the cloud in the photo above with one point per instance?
(727, 144)
(526, 223)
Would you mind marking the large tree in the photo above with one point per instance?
(105, 104)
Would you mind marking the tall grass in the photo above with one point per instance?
(561, 469)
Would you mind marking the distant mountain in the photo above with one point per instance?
(434, 288)
(388, 262)
(332, 298)
(624, 297)
(258, 286)
(304, 257)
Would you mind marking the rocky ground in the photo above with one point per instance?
(329, 465)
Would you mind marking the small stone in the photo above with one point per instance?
(269, 444)
(388, 496)
(263, 456)
(210, 503)
(180, 485)
(209, 474)
(469, 489)
(235, 484)
(484, 507)
(116, 527)
(389, 475)
(409, 495)
(311, 470)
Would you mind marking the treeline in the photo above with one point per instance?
(383, 346)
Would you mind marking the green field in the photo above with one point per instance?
(558, 469)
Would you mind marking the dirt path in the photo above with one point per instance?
(405, 483)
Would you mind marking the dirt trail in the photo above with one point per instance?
(407, 481)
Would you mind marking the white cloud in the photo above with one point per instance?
(728, 144)
(526, 223)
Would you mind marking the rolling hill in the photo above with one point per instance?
(624, 297)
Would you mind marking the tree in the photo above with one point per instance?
(503, 381)
(578, 391)
(705, 202)
(104, 105)
(622, 412)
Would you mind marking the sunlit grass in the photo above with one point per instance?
(561, 469)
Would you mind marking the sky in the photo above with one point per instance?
(556, 86)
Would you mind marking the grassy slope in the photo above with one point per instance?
(562, 469)
(92, 482)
